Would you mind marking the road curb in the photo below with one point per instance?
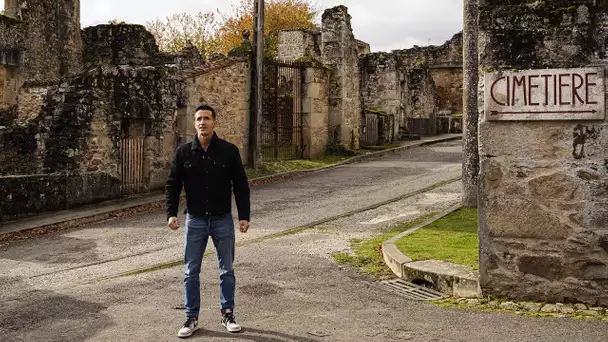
(449, 278)
(77, 220)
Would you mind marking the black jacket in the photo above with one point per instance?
(209, 179)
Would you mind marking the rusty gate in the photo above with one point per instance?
(378, 129)
(283, 92)
(370, 138)
(132, 165)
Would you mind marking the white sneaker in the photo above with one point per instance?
(189, 327)
(229, 322)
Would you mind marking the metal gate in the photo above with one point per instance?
(378, 129)
(283, 91)
(132, 165)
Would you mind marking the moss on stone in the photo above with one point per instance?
(310, 61)
(569, 9)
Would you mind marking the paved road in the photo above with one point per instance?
(56, 288)
(116, 246)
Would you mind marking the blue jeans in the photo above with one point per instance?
(196, 234)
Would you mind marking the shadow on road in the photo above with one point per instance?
(46, 316)
(257, 335)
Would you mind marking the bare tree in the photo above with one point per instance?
(173, 32)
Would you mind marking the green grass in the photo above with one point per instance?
(367, 254)
(271, 168)
(452, 238)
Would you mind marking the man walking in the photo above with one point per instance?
(209, 169)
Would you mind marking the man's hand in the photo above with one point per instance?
(173, 223)
(244, 226)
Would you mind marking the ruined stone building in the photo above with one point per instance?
(96, 113)
(399, 93)
(416, 86)
(85, 115)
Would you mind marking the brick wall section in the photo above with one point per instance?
(226, 87)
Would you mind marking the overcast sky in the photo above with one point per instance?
(384, 24)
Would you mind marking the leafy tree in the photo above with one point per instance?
(177, 29)
(211, 36)
(278, 15)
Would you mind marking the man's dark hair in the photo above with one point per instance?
(206, 107)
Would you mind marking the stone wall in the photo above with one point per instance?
(340, 52)
(120, 45)
(11, 41)
(543, 205)
(52, 39)
(11, 58)
(448, 88)
(10, 82)
(381, 86)
(414, 84)
(73, 131)
(224, 85)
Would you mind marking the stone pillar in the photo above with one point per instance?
(341, 53)
(470, 155)
(543, 201)
(316, 113)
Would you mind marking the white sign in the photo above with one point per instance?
(545, 94)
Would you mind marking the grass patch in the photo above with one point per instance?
(452, 238)
(271, 168)
(253, 174)
(367, 254)
(492, 305)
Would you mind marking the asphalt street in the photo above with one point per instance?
(96, 284)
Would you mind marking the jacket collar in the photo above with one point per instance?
(196, 144)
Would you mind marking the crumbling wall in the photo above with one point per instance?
(340, 52)
(543, 205)
(68, 135)
(414, 84)
(381, 86)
